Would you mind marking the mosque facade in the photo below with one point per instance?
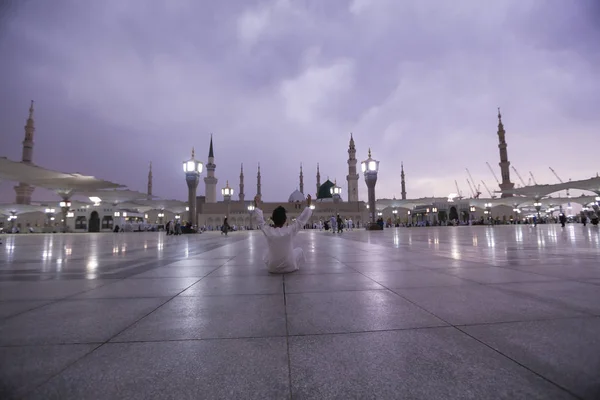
(211, 213)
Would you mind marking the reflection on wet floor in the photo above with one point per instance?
(93, 255)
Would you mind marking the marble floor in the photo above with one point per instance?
(506, 312)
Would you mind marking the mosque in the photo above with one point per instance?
(327, 203)
(112, 204)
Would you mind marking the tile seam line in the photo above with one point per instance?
(520, 364)
(287, 340)
(297, 335)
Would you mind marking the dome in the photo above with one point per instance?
(325, 190)
(296, 197)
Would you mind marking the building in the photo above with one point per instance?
(211, 213)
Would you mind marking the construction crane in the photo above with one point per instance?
(556, 175)
(493, 196)
(477, 191)
(519, 175)
(471, 188)
(458, 192)
(561, 181)
(532, 177)
(493, 173)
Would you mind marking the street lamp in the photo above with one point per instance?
(538, 207)
(65, 205)
(12, 218)
(50, 213)
(336, 192)
(395, 212)
(161, 215)
(192, 169)
(471, 211)
(250, 210)
(370, 168)
(488, 211)
(227, 192)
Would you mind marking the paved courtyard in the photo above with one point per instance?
(509, 312)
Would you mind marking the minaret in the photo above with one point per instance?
(318, 179)
(403, 181)
(352, 177)
(24, 191)
(301, 180)
(150, 181)
(242, 195)
(210, 182)
(504, 163)
(258, 192)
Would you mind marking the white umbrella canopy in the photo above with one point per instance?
(64, 184)
(114, 196)
(16, 209)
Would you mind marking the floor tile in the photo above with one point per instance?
(75, 321)
(176, 272)
(211, 369)
(382, 266)
(564, 271)
(211, 317)
(232, 285)
(497, 275)
(195, 263)
(22, 369)
(297, 283)
(565, 351)
(49, 289)
(353, 311)
(411, 279)
(440, 363)
(10, 308)
(240, 270)
(474, 304)
(132, 288)
(578, 295)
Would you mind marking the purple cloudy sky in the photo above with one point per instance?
(120, 83)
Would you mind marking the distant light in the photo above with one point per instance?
(95, 199)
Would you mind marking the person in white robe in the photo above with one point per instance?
(281, 256)
(333, 223)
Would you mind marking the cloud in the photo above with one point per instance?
(119, 83)
(315, 93)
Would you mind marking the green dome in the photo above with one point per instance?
(325, 190)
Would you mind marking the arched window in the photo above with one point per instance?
(80, 222)
(107, 222)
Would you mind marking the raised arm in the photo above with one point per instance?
(258, 214)
(304, 217)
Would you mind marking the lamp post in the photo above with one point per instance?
(193, 169)
(49, 214)
(65, 206)
(251, 210)
(434, 211)
(395, 212)
(488, 212)
(161, 215)
(471, 211)
(227, 192)
(336, 192)
(370, 168)
(408, 215)
(13, 219)
(538, 207)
